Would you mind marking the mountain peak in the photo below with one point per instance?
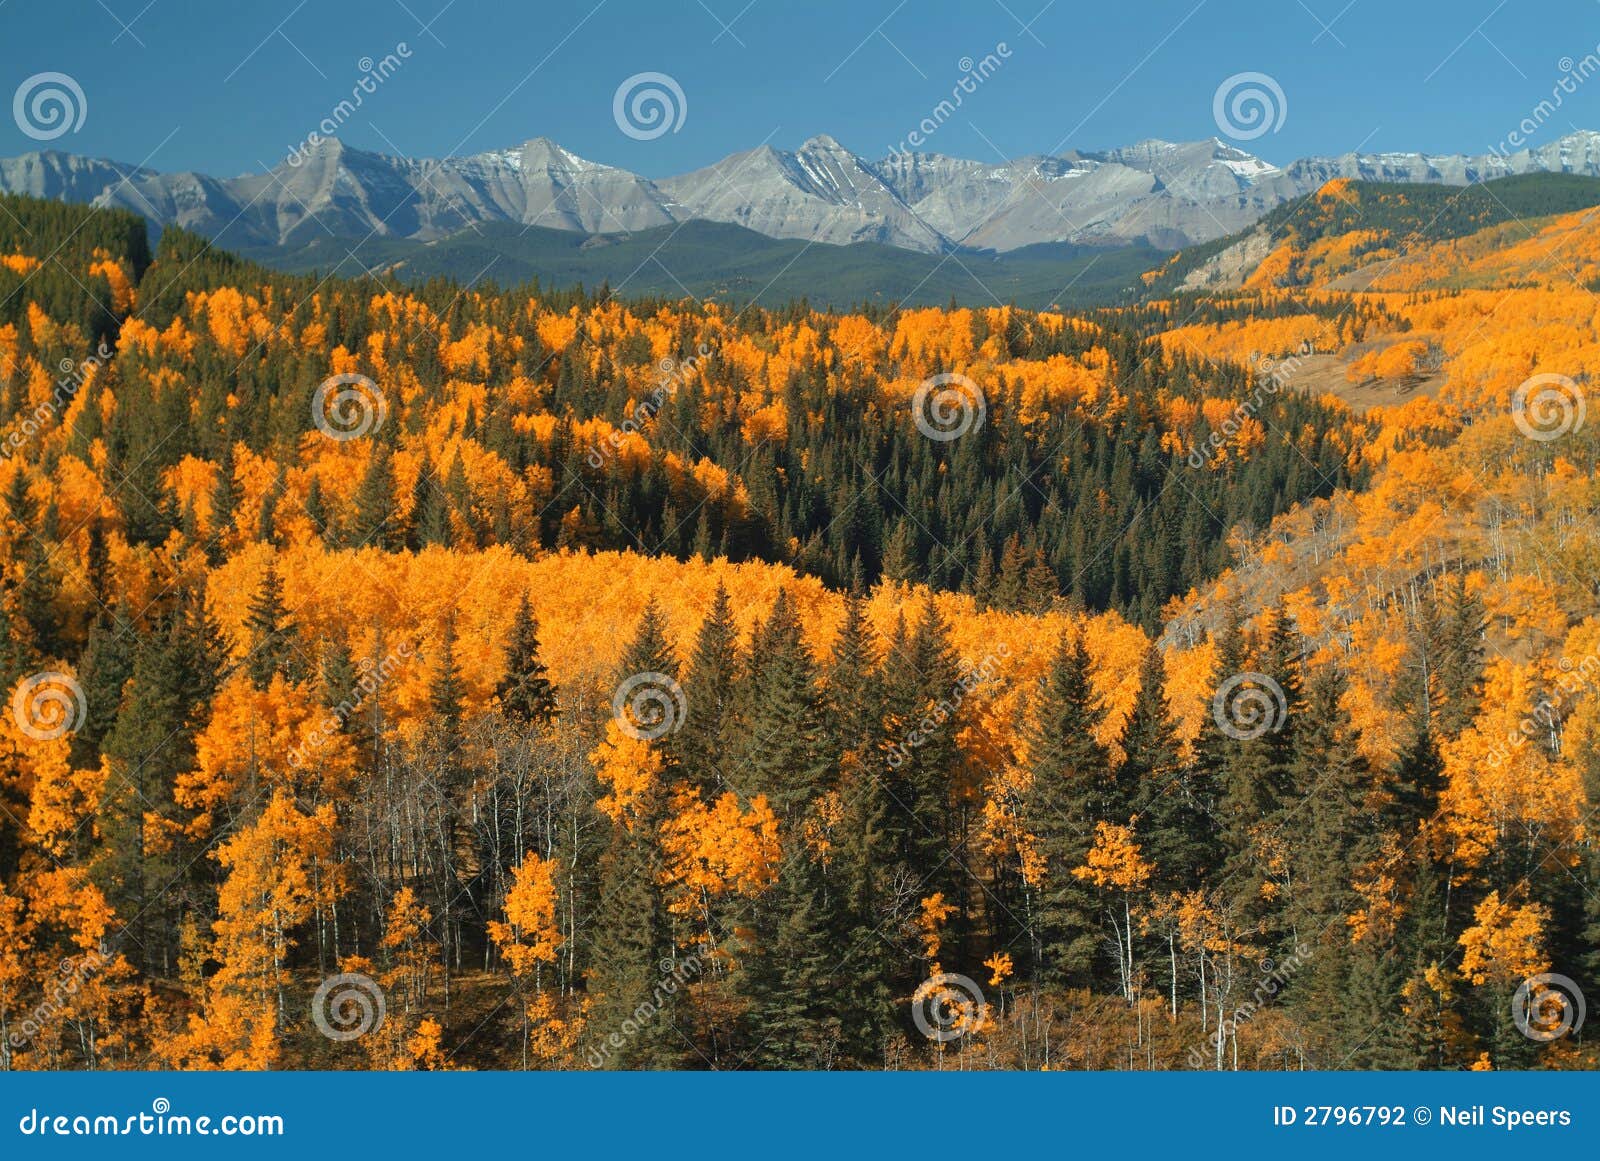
(1166, 193)
(822, 142)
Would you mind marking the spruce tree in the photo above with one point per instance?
(526, 694)
(1070, 790)
(374, 521)
(784, 757)
(710, 695)
(272, 636)
(1173, 825)
(852, 696)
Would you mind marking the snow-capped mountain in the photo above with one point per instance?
(1170, 194)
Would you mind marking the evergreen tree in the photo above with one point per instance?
(526, 694)
(273, 636)
(374, 522)
(36, 600)
(1152, 785)
(784, 758)
(1461, 663)
(709, 693)
(852, 698)
(1070, 790)
(447, 692)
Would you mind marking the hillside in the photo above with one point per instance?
(1053, 681)
(735, 265)
(1347, 224)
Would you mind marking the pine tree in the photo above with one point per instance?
(794, 978)
(526, 694)
(784, 756)
(1070, 790)
(151, 744)
(1333, 836)
(1152, 784)
(709, 693)
(1461, 663)
(374, 523)
(224, 503)
(649, 651)
(430, 511)
(104, 668)
(639, 998)
(852, 697)
(273, 637)
(447, 692)
(36, 600)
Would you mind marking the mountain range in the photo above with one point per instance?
(1162, 194)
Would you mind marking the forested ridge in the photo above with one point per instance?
(456, 677)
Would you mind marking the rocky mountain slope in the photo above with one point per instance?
(1167, 194)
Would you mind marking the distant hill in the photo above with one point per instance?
(715, 260)
(1346, 223)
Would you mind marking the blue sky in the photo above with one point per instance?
(185, 84)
